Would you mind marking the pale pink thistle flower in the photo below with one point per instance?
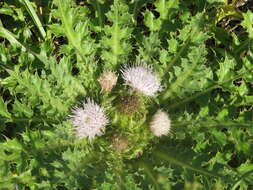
(89, 120)
(141, 78)
(160, 124)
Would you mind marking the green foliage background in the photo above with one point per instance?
(51, 55)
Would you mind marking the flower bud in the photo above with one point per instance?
(119, 142)
(107, 81)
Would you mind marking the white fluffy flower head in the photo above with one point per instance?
(141, 78)
(160, 123)
(89, 120)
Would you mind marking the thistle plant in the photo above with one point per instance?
(191, 73)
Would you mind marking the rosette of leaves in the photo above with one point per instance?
(207, 92)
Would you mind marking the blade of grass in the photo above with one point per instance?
(13, 41)
(34, 17)
(10, 37)
(182, 164)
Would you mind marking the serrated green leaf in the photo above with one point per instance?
(165, 7)
(180, 163)
(247, 23)
(151, 22)
(21, 108)
(225, 72)
(3, 109)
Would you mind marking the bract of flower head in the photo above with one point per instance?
(160, 123)
(142, 78)
(129, 104)
(107, 80)
(89, 120)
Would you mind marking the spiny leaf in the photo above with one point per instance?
(3, 109)
(172, 160)
(151, 22)
(115, 42)
(68, 19)
(247, 23)
(165, 7)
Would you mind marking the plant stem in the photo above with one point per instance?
(175, 161)
(211, 123)
(181, 102)
(147, 170)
